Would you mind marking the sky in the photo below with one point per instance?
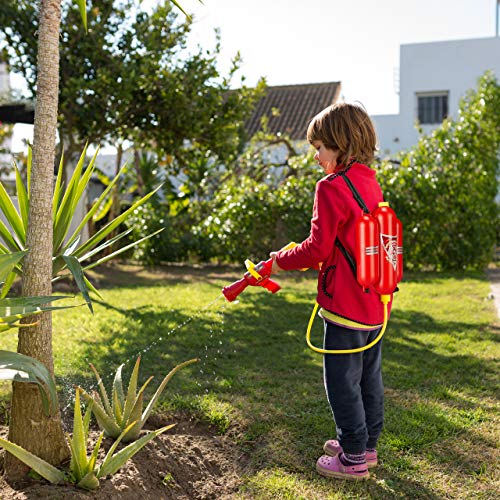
(355, 42)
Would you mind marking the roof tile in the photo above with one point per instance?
(297, 105)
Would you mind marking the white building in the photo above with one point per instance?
(433, 78)
(4, 94)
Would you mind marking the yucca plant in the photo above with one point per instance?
(116, 417)
(13, 309)
(83, 470)
(14, 366)
(69, 255)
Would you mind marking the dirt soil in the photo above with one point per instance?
(190, 461)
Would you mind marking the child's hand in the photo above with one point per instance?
(276, 268)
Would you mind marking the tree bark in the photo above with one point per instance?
(29, 426)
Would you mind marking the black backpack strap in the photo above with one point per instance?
(362, 205)
(347, 255)
(355, 193)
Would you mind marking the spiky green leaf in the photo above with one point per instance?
(76, 270)
(89, 481)
(83, 11)
(22, 198)
(93, 289)
(106, 244)
(8, 284)
(112, 464)
(95, 452)
(74, 465)
(93, 209)
(66, 209)
(12, 216)
(102, 389)
(28, 169)
(118, 385)
(79, 444)
(165, 381)
(21, 368)
(110, 226)
(136, 415)
(131, 391)
(9, 240)
(56, 197)
(8, 262)
(86, 420)
(117, 408)
(104, 421)
(120, 250)
(46, 470)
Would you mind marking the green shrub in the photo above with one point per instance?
(258, 209)
(170, 245)
(444, 190)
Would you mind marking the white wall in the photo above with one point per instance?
(4, 92)
(452, 66)
(4, 79)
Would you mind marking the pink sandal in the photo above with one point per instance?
(332, 447)
(332, 467)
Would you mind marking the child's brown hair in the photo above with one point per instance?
(346, 128)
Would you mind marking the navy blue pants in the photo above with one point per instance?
(354, 388)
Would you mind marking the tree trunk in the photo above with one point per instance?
(29, 426)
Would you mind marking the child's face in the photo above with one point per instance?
(326, 158)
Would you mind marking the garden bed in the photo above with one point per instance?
(190, 461)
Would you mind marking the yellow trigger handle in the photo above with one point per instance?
(290, 245)
(251, 269)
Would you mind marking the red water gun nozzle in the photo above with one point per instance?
(232, 291)
(256, 275)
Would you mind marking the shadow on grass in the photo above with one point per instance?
(117, 274)
(254, 359)
(130, 276)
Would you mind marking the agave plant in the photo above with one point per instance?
(83, 469)
(14, 366)
(116, 417)
(69, 255)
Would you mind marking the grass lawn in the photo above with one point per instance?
(258, 381)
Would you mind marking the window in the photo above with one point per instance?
(432, 108)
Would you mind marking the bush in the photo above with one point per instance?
(171, 245)
(444, 190)
(259, 208)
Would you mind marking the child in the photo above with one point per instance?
(345, 140)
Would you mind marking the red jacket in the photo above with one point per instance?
(335, 214)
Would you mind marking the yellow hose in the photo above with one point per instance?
(383, 298)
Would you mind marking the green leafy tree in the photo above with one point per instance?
(132, 80)
(444, 190)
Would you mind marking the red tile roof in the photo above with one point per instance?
(297, 104)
